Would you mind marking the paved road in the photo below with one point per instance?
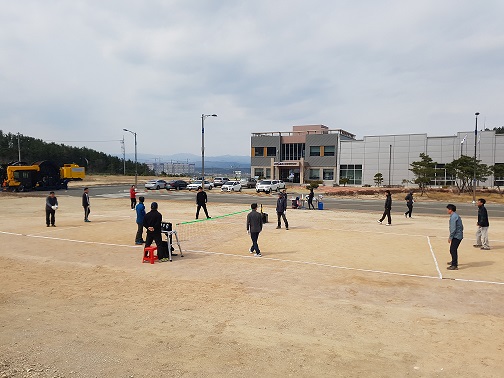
(249, 195)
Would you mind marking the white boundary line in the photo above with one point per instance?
(434, 257)
(69, 240)
(267, 258)
(345, 267)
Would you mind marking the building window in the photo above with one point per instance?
(352, 172)
(268, 173)
(314, 150)
(442, 177)
(328, 174)
(258, 172)
(258, 151)
(329, 150)
(292, 151)
(498, 181)
(271, 151)
(314, 174)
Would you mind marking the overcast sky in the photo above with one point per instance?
(84, 70)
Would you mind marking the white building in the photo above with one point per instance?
(315, 152)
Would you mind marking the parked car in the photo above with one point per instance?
(219, 181)
(267, 186)
(281, 184)
(176, 184)
(231, 186)
(196, 184)
(155, 184)
(248, 182)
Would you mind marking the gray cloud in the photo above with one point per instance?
(71, 70)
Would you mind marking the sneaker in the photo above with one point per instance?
(165, 259)
(286, 228)
(138, 243)
(47, 225)
(257, 255)
(405, 215)
(278, 227)
(452, 267)
(250, 250)
(485, 248)
(388, 224)
(477, 245)
(53, 225)
(379, 221)
(208, 217)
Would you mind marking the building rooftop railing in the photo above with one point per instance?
(305, 132)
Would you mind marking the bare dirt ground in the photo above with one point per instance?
(336, 295)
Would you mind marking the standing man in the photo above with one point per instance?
(482, 232)
(310, 199)
(388, 207)
(50, 209)
(152, 222)
(140, 212)
(281, 208)
(409, 203)
(86, 204)
(201, 200)
(456, 235)
(133, 197)
(254, 227)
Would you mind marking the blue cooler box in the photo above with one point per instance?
(321, 205)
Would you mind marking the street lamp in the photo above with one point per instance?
(203, 116)
(136, 169)
(475, 141)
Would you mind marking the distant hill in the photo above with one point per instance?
(223, 161)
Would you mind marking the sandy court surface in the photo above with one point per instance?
(336, 295)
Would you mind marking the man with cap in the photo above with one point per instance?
(140, 212)
(388, 207)
(281, 208)
(152, 222)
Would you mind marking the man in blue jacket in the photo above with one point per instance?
(140, 214)
(456, 235)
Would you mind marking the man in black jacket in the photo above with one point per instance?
(201, 200)
(51, 206)
(483, 224)
(152, 222)
(409, 203)
(254, 227)
(86, 204)
(388, 207)
(281, 208)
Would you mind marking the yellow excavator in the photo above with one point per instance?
(42, 175)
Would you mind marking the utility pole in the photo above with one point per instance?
(19, 150)
(123, 147)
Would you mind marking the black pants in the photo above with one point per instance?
(454, 251)
(139, 233)
(86, 212)
(310, 203)
(49, 213)
(410, 209)
(133, 202)
(279, 217)
(254, 236)
(386, 213)
(204, 208)
(161, 252)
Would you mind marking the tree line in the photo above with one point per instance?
(34, 150)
